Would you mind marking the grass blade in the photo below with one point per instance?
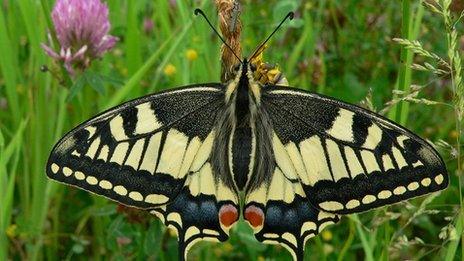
(364, 240)
(7, 183)
(8, 65)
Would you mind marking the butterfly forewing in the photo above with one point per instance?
(138, 153)
(348, 159)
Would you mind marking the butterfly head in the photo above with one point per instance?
(244, 69)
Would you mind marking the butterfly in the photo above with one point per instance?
(289, 161)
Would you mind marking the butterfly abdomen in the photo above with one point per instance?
(241, 155)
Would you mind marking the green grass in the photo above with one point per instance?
(339, 48)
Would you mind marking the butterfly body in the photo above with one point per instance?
(300, 160)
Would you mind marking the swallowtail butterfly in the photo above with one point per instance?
(299, 159)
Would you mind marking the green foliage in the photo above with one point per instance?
(339, 48)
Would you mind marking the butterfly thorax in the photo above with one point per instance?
(242, 99)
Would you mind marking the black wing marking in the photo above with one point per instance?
(349, 159)
(140, 152)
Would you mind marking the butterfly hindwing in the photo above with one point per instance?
(206, 207)
(348, 159)
(138, 153)
(280, 213)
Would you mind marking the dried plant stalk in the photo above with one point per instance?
(231, 28)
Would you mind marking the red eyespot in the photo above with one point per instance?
(228, 215)
(255, 216)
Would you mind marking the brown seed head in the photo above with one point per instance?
(231, 28)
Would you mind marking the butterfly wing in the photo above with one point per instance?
(200, 211)
(349, 159)
(206, 207)
(153, 153)
(280, 213)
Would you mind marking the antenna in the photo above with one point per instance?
(290, 16)
(199, 11)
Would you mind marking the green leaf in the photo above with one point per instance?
(245, 235)
(95, 81)
(111, 80)
(76, 87)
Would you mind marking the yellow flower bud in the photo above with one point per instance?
(327, 235)
(191, 54)
(11, 231)
(170, 70)
(453, 134)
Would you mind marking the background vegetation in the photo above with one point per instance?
(342, 48)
